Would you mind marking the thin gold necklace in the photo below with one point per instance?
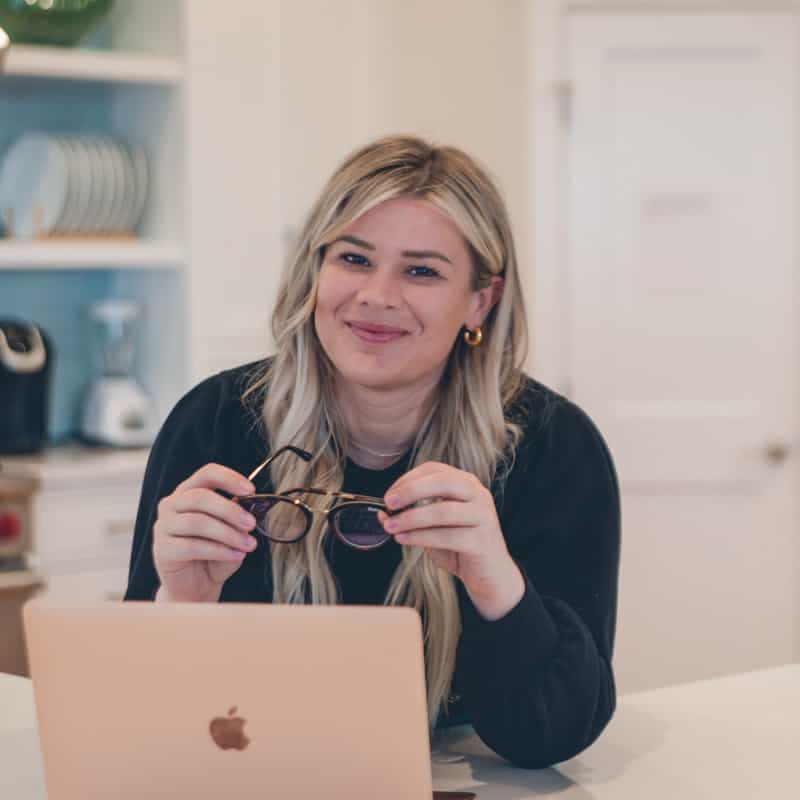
(374, 452)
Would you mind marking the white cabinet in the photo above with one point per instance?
(77, 528)
(83, 515)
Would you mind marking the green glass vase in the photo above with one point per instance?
(55, 22)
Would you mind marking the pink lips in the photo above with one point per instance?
(378, 334)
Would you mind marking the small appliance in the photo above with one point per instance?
(26, 357)
(116, 410)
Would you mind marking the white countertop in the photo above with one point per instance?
(731, 738)
(75, 465)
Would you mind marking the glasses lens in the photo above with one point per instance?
(358, 524)
(276, 518)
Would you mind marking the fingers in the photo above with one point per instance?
(174, 550)
(438, 480)
(200, 537)
(195, 523)
(462, 509)
(191, 524)
(208, 502)
(444, 514)
(455, 540)
(217, 476)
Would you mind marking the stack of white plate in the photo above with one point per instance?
(79, 185)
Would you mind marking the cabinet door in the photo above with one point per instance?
(233, 152)
(79, 529)
(90, 585)
(683, 328)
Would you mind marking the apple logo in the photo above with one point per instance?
(228, 732)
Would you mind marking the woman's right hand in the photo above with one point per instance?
(200, 538)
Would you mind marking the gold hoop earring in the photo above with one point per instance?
(473, 338)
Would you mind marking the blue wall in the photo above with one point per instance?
(57, 301)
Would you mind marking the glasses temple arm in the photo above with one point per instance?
(304, 454)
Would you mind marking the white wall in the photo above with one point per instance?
(453, 70)
(291, 87)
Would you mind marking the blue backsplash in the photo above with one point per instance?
(57, 301)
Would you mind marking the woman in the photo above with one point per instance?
(400, 334)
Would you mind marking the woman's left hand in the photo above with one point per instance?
(460, 530)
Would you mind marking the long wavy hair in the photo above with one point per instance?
(466, 426)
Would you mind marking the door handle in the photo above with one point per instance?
(776, 453)
(121, 527)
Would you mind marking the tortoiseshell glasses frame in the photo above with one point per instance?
(353, 517)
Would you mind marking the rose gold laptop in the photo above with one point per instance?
(145, 700)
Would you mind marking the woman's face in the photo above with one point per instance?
(394, 293)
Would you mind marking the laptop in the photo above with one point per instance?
(149, 700)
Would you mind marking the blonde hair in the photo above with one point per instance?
(466, 426)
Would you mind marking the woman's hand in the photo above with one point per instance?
(199, 537)
(460, 531)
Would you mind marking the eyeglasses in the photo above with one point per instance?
(286, 518)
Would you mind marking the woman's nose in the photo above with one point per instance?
(379, 289)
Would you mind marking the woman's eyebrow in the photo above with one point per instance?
(354, 240)
(426, 254)
(406, 253)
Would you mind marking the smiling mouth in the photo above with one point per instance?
(375, 334)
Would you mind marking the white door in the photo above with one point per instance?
(683, 336)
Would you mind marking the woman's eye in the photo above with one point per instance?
(357, 260)
(423, 272)
(354, 258)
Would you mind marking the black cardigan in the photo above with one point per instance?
(536, 684)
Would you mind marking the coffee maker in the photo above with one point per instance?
(26, 358)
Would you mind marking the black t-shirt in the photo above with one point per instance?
(536, 684)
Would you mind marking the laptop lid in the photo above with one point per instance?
(229, 700)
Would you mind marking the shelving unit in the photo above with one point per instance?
(218, 97)
(57, 63)
(132, 90)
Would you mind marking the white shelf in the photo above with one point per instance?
(16, 254)
(58, 63)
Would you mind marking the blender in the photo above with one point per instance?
(116, 410)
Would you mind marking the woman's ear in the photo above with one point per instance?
(484, 300)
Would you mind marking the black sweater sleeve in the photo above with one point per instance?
(538, 683)
(181, 448)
